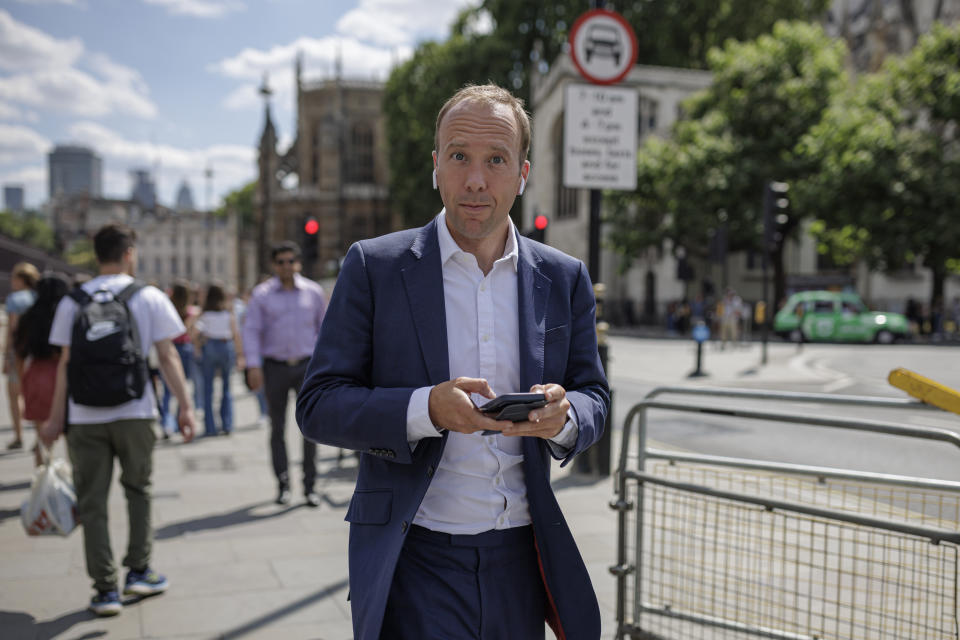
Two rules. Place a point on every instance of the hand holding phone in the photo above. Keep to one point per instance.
(512, 406)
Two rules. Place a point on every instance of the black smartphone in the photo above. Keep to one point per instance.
(512, 406)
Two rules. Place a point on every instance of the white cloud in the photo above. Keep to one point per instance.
(74, 3)
(75, 92)
(59, 76)
(374, 37)
(19, 144)
(233, 165)
(198, 8)
(359, 61)
(116, 74)
(10, 112)
(23, 48)
(394, 23)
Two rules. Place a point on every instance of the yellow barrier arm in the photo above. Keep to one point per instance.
(925, 389)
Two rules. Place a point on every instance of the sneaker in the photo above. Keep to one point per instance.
(15, 444)
(145, 583)
(313, 500)
(106, 603)
(283, 496)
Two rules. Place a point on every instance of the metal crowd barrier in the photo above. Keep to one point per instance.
(731, 548)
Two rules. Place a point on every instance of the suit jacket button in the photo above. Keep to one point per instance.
(403, 526)
(430, 471)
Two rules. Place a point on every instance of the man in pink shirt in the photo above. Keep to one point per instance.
(279, 332)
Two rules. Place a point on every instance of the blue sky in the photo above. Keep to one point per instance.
(170, 85)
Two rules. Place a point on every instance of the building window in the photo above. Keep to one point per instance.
(173, 240)
(220, 269)
(173, 265)
(141, 266)
(188, 240)
(315, 156)
(206, 266)
(360, 158)
(646, 117)
(158, 265)
(189, 266)
(567, 199)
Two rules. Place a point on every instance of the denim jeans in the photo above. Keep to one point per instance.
(170, 424)
(218, 357)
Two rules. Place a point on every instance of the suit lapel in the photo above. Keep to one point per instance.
(423, 279)
(533, 290)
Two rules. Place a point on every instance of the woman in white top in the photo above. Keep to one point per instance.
(215, 333)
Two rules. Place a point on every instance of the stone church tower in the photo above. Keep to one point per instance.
(334, 172)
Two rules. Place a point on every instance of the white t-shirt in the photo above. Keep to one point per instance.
(216, 325)
(157, 320)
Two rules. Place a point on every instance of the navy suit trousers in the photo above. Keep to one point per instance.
(482, 587)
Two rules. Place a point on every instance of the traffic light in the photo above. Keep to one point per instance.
(539, 231)
(308, 242)
(777, 221)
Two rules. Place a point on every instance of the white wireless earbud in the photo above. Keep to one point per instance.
(434, 178)
(523, 184)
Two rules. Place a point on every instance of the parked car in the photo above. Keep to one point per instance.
(830, 316)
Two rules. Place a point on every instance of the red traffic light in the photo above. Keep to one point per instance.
(540, 222)
(311, 226)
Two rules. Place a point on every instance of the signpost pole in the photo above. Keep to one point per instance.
(600, 150)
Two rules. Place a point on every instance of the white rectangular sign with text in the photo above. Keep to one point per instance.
(600, 137)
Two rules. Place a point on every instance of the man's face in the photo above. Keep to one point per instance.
(285, 264)
(478, 167)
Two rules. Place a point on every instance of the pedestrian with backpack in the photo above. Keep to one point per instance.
(102, 398)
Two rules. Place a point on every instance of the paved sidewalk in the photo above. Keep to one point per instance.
(243, 567)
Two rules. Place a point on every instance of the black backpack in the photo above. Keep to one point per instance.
(106, 367)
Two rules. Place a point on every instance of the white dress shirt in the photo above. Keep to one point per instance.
(479, 483)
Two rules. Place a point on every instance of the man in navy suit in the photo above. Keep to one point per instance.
(454, 528)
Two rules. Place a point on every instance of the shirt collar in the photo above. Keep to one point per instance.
(297, 282)
(450, 248)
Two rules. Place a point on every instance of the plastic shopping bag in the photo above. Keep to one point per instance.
(51, 508)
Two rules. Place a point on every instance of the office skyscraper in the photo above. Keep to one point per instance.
(74, 170)
(13, 197)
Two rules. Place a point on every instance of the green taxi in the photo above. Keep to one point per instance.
(830, 316)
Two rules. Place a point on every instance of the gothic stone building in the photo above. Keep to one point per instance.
(339, 162)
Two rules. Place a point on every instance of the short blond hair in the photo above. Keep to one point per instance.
(489, 94)
(26, 272)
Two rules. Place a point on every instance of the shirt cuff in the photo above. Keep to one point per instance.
(562, 443)
(419, 425)
(253, 359)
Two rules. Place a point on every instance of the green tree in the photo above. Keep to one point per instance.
(240, 201)
(528, 35)
(80, 254)
(28, 227)
(737, 135)
(888, 156)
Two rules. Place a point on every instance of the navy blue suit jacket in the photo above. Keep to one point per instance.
(384, 335)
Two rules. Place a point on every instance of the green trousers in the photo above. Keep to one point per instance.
(92, 449)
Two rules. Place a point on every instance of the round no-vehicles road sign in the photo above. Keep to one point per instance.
(603, 46)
